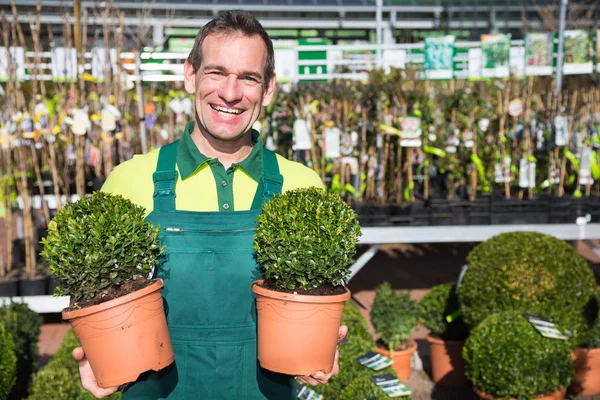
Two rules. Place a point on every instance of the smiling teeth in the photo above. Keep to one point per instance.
(227, 110)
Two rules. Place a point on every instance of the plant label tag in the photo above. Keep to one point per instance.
(305, 393)
(373, 360)
(390, 385)
(545, 328)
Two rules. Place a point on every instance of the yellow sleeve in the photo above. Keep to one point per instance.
(296, 175)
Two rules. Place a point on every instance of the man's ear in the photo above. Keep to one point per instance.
(269, 90)
(189, 77)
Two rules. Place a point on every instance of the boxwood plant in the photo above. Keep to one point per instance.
(506, 357)
(305, 239)
(439, 304)
(394, 316)
(99, 242)
(530, 272)
(23, 324)
(590, 333)
(8, 363)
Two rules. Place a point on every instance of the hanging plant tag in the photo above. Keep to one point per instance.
(305, 393)
(560, 130)
(515, 108)
(585, 167)
(391, 385)
(524, 173)
(109, 122)
(463, 271)
(332, 142)
(301, 136)
(411, 132)
(374, 361)
(545, 328)
(467, 138)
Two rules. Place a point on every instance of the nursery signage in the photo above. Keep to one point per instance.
(390, 385)
(538, 54)
(99, 62)
(578, 52)
(545, 328)
(301, 135)
(495, 56)
(439, 54)
(373, 360)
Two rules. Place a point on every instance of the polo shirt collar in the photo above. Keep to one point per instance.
(189, 158)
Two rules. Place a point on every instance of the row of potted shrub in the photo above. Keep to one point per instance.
(504, 356)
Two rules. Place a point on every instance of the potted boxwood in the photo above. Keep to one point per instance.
(587, 354)
(506, 358)
(304, 243)
(529, 272)
(439, 312)
(8, 363)
(394, 316)
(101, 250)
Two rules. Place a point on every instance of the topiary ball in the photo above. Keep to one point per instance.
(8, 363)
(437, 304)
(529, 272)
(505, 357)
(306, 239)
(362, 388)
(590, 332)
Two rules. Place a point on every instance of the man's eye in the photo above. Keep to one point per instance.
(215, 73)
(251, 79)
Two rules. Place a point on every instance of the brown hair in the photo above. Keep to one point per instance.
(229, 22)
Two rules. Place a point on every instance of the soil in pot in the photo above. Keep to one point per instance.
(587, 372)
(558, 395)
(402, 358)
(447, 366)
(297, 334)
(124, 337)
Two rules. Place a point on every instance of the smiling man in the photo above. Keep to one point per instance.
(209, 186)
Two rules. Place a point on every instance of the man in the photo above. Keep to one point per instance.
(209, 186)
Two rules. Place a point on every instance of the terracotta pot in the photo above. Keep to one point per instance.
(587, 372)
(447, 366)
(297, 334)
(558, 395)
(401, 358)
(125, 336)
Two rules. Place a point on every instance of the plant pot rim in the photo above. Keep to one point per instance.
(157, 285)
(587, 350)
(483, 395)
(300, 298)
(438, 340)
(410, 349)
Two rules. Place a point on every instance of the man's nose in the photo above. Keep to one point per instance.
(231, 89)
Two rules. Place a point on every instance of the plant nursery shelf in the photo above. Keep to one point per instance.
(40, 304)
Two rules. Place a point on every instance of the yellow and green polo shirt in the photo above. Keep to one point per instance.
(203, 183)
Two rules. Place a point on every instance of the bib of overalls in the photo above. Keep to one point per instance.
(208, 268)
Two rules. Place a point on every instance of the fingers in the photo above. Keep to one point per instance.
(308, 380)
(342, 333)
(78, 353)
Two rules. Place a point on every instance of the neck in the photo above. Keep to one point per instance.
(226, 151)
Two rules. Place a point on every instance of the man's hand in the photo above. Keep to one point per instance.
(88, 379)
(320, 376)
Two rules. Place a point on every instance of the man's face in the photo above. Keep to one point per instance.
(229, 85)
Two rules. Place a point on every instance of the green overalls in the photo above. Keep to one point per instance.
(208, 269)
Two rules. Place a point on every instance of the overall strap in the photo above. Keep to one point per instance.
(165, 178)
(271, 181)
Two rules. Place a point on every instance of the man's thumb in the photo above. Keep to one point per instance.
(78, 353)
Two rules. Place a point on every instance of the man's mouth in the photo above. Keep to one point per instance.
(225, 110)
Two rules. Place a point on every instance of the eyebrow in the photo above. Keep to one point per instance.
(224, 70)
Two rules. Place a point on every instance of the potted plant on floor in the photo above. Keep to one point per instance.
(506, 358)
(587, 354)
(529, 272)
(101, 249)
(439, 312)
(394, 317)
(304, 243)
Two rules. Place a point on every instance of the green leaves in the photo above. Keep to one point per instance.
(306, 238)
(529, 272)
(440, 302)
(506, 357)
(99, 241)
(394, 316)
